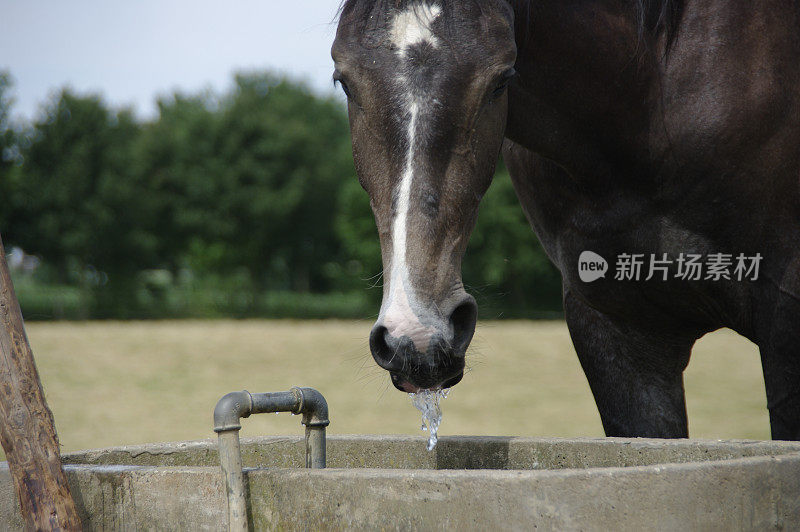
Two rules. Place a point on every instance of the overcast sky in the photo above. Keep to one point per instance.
(131, 51)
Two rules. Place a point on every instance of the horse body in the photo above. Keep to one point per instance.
(702, 158)
(638, 128)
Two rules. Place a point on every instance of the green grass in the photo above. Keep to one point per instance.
(114, 383)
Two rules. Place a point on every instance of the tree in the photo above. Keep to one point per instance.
(177, 155)
(255, 175)
(9, 152)
(81, 207)
(285, 154)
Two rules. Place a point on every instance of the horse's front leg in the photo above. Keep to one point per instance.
(778, 338)
(636, 376)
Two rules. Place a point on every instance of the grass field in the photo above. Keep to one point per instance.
(134, 382)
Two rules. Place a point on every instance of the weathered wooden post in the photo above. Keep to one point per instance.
(27, 430)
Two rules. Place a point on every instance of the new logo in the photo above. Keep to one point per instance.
(591, 266)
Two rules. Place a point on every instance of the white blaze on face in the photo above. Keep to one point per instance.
(409, 28)
(413, 26)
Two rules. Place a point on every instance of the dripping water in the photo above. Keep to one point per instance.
(427, 402)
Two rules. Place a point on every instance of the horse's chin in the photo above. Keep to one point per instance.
(405, 385)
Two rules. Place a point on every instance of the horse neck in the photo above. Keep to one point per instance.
(584, 83)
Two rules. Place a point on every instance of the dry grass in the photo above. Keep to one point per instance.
(123, 383)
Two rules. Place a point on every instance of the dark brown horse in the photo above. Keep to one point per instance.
(642, 136)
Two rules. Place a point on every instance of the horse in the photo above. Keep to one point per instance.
(654, 146)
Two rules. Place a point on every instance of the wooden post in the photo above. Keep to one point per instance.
(27, 430)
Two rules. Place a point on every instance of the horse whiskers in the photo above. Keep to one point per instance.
(377, 275)
(361, 355)
(378, 281)
(370, 380)
(366, 371)
(383, 391)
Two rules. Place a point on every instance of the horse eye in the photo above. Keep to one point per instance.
(337, 78)
(499, 90)
(502, 85)
(345, 88)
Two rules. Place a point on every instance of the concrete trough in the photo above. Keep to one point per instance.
(473, 483)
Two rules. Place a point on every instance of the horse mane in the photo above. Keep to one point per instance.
(653, 17)
(659, 16)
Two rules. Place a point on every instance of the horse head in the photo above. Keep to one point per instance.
(426, 91)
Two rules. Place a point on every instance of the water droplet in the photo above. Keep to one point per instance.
(427, 402)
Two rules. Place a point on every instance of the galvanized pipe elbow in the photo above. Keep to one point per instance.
(236, 405)
(314, 407)
(230, 409)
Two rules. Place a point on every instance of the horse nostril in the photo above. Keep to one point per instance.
(463, 320)
(382, 350)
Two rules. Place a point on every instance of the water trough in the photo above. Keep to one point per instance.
(394, 482)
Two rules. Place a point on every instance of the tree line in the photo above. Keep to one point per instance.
(243, 203)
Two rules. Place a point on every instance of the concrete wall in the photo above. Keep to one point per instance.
(552, 484)
(742, 494)
(452, 452)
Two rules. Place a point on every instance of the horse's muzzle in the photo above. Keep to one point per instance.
(437, 364)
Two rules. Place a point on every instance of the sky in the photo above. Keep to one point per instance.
(133, 51)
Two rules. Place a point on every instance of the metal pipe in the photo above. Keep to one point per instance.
(236, 405)
(315, 447)
(230, 459)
